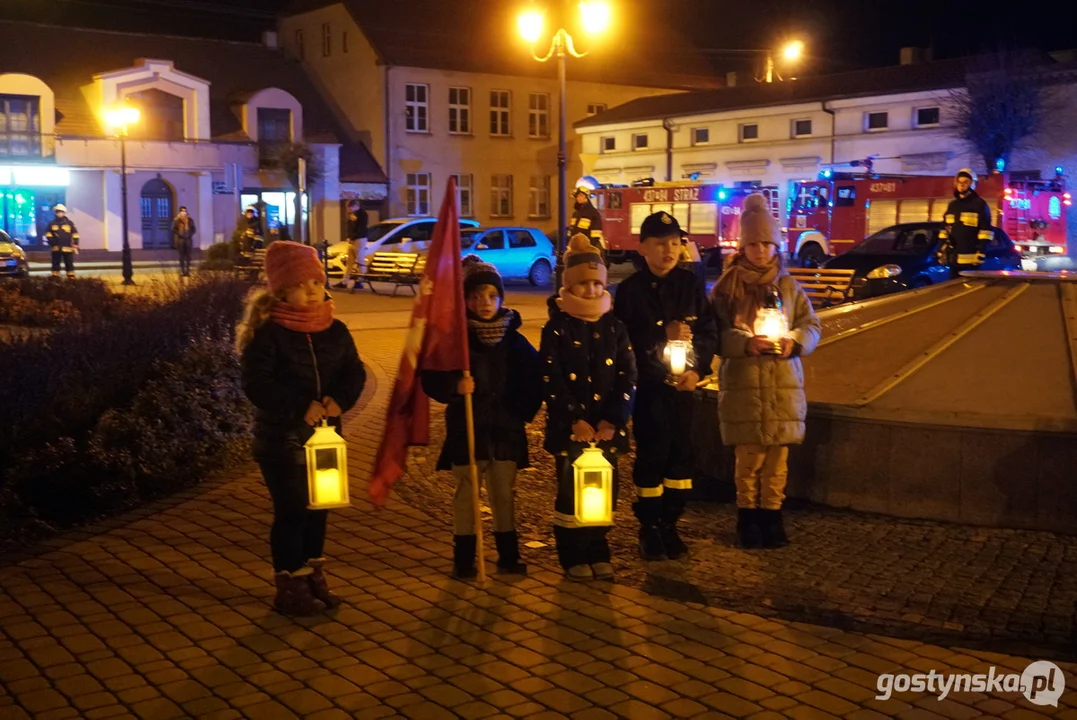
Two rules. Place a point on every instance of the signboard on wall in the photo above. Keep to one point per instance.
(221, 188)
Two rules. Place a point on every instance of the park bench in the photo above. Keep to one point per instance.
(401, 269)
(251, 264)
(824, 287)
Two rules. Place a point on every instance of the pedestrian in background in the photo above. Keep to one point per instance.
(299, 366)
(183, 230)
(63, 238)
(356, 239)
(506, 392)
(590, 377)
(761, 402)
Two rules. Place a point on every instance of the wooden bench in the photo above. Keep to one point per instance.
(824, 287)
(398, 268)
(251, 263)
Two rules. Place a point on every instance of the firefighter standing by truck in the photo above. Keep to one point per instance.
(587, 221)
(63, 238)
(967, 229)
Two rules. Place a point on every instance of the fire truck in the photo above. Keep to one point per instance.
(708, 213)
(836, 212)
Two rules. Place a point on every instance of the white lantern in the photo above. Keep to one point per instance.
(770, 321)
(594, 488)
(327, 469)
(676, 356)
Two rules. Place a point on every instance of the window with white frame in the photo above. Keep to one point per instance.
(927, 117)
(327, 39)
(464, 186)
(460, 110)
(540, 197)
(701, 136)
(299, 44)
(875, 121)
(501, 196)
(595, 108)
(417, 193)
(640, 141)
(416, 107)
(538, 115)
(608, 144)
(748, 132)
(500, 113)
(802, 128)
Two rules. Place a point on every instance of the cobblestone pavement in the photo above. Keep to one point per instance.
(164, 613)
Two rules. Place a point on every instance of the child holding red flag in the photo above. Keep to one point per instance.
(506, 394)
(590, 385)
(299, 366)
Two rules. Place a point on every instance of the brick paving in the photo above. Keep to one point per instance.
(165, 612)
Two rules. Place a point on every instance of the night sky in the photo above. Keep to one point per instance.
(841, 35)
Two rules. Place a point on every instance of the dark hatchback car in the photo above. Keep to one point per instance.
(902, 257)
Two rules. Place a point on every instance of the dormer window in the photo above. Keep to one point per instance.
(161, 115)
(20, 126)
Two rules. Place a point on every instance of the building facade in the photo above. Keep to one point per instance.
(218, 121)
(433, 100)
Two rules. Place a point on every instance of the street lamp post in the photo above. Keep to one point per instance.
(119, 119)
(595, 16)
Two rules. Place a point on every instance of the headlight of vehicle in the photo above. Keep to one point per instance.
(885, 271)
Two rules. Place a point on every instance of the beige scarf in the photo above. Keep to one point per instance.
(743, 286)
(587, 309)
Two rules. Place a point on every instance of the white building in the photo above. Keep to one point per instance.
(447, 88)
(776, 134)
(214, 116)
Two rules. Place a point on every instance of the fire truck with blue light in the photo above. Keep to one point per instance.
(834, 213)
(708, 213)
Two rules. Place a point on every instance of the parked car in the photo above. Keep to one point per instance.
(902, 257)
(12, 257)
(404, 234)
(518, 253)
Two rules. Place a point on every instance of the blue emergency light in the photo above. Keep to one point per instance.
(826, 174)
(721, 193)
(1000, 165)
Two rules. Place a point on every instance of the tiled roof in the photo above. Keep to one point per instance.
(480, 36)
(66, 59)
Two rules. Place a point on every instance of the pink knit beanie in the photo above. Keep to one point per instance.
(290, 263)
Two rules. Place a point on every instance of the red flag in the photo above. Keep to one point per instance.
(436, 340)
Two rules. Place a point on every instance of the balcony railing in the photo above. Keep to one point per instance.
(24, 144)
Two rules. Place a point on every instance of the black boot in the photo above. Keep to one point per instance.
(671, 539)
(463, 557)
(749, 535)
(773, 529)
(651, 546)
(508, 554)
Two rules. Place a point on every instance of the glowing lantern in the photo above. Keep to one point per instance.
(676, 356)
(327, 469)
(594, 488)
(770, 321)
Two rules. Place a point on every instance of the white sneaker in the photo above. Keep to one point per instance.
(580, 573)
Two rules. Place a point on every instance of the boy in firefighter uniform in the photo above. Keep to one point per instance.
(967, 229)
(660, 303)
(587, 221)
(63, 238)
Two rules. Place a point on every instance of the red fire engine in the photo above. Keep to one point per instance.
(708, 213)
(836, 212)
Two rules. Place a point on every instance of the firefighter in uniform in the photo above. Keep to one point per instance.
(63, 238)
(967, 229)
(659, 303)
(587, 221)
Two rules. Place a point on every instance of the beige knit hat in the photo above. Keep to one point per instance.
(583, 262)
(757, 225)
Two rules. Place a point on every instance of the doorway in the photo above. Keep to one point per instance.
(156, 215)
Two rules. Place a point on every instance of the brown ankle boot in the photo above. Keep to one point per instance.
(319, 586)
(294, 595)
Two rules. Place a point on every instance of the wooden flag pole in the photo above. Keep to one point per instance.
(480, 552)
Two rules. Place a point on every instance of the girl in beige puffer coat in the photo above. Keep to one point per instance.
(761, 402)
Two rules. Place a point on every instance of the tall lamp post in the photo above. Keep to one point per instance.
(595, 17)
(119, 119)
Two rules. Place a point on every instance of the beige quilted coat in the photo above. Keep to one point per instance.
(761, 399)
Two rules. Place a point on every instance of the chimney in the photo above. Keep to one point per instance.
(730, 79)
(915, 55)
(269, 39)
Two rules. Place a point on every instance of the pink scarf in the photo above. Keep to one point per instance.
(306, 319)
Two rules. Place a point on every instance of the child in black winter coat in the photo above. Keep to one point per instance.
(590, 385)
(299, 366)
(505, 394)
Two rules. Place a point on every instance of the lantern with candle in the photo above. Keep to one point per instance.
(594, 488)
(327, 469)
(770, 321)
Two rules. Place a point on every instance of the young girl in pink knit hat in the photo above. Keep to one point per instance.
(299, 366)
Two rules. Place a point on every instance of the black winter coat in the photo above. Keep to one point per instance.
(284, 371)
(968, 224)
(62, 233)
(646, 303)
(590, 375)
(586, 220)
(508, 393)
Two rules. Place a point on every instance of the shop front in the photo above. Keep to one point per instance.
(27, 195)
(278, 208)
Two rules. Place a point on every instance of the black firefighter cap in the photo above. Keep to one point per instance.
(660, 225)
